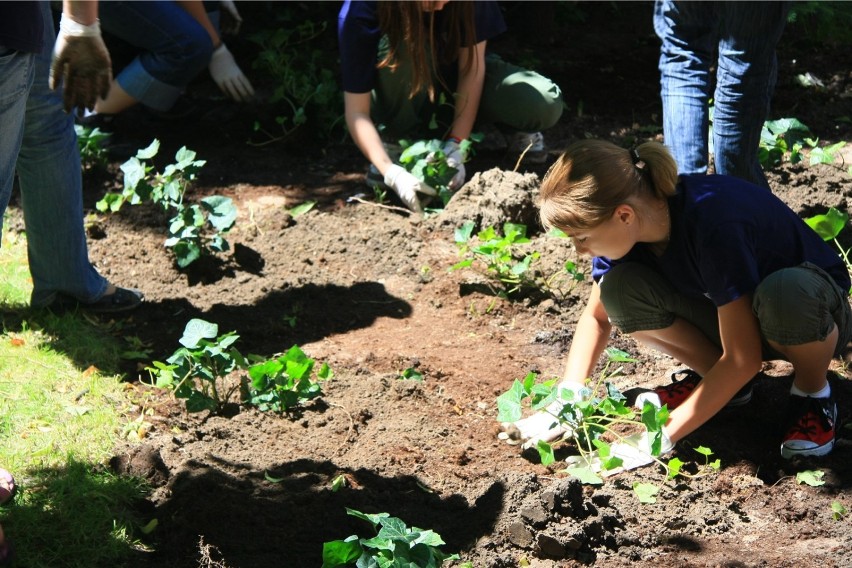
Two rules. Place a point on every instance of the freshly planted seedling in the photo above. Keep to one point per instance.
(597, 415)
(789, 137)
(90, 141)
(514, 271)
(395, 545)
(426, 161)
(285, 382)
(196, 372)
(195, 229)
(828, 226)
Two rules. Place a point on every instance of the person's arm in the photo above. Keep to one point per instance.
(591, 336)
(83, 12)
(741, 359)
(469, 91)
(363, 130)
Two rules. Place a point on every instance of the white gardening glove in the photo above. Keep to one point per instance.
(229, 77)
(634, 451)
(236, 21)
(407, 187)
(543, 426)
(81, 62)
(455, 159)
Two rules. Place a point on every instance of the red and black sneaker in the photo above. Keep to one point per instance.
(812, 426)
(674, 394)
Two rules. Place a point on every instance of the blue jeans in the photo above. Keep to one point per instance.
(740, 39)
(175, 48)
(37, 138)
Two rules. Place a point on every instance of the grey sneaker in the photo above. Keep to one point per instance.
(530, 142)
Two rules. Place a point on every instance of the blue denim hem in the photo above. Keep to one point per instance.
(147, 89)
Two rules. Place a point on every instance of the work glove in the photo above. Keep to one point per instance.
(543, 426)
(234, 22)
(229, 77)
(81, 63)
(634, 451)
(455, 159)
(407, 187)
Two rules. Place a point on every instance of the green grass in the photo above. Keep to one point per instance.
(61, 416)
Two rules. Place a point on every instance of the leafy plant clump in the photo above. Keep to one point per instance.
(293, 57)
(426, 161)
(828, 226)
(395, 545)
(195, 229)
(90, 142)
(598, 416)
(197, 372)
(789, 137)
(514, 271)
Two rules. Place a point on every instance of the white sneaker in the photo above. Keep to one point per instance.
(531, 144)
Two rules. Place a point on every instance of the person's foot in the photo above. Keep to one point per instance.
(812, 426)
(674, 394)
(115, 300)
(530, 145)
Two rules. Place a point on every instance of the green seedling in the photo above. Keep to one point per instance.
(427, 162)
(395, 545)
(196, 372)
(412, 374)
(304, 85)
(280, 384)
(596, 415)
(195, 229)
(514, 271)
(828, 226)
(814, 478)
(789, 137)
(838, 511)
(91, 141)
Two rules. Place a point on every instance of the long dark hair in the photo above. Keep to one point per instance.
(412, 29)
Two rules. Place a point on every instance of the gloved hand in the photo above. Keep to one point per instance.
(407, 187)
(634, 451)
(229, 77)
(235, 22)
(543, 426)
(455, 159)
(81, 62)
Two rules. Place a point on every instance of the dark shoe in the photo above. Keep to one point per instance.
(122, 300)
(812, 426)
(674, 394)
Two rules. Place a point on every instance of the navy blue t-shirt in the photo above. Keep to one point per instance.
(359, 35)
(727, 235)
(21, 26)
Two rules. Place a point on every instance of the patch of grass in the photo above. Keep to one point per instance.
(60, 419)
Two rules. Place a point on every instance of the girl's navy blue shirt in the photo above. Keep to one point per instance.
(21, 27)
(359, 35)
(727, 235)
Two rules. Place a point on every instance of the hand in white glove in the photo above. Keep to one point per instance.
(455, 159)
(81, 62)
(236, 21)
(543, 426)
(407, 187)
(229, 77)
(634, 451)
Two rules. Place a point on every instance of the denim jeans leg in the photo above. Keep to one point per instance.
(686, 55)
(16, 78)
(745, 80)
(51, 189)
(175, 48)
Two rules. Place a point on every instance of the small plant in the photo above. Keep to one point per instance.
(197, 371)
(195, 229)
(426, 161)
(90, 142)
(283, 383)
(598, 417)
(828, 226)
(788, 137)
(512, 270)
(291, 55)
(838, 511)
(395, 545)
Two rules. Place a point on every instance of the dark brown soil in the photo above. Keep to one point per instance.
(369, 291)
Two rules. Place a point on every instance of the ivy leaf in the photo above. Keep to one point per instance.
(196, 330)
(647, 492)
(810, 477)
(585, 475)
